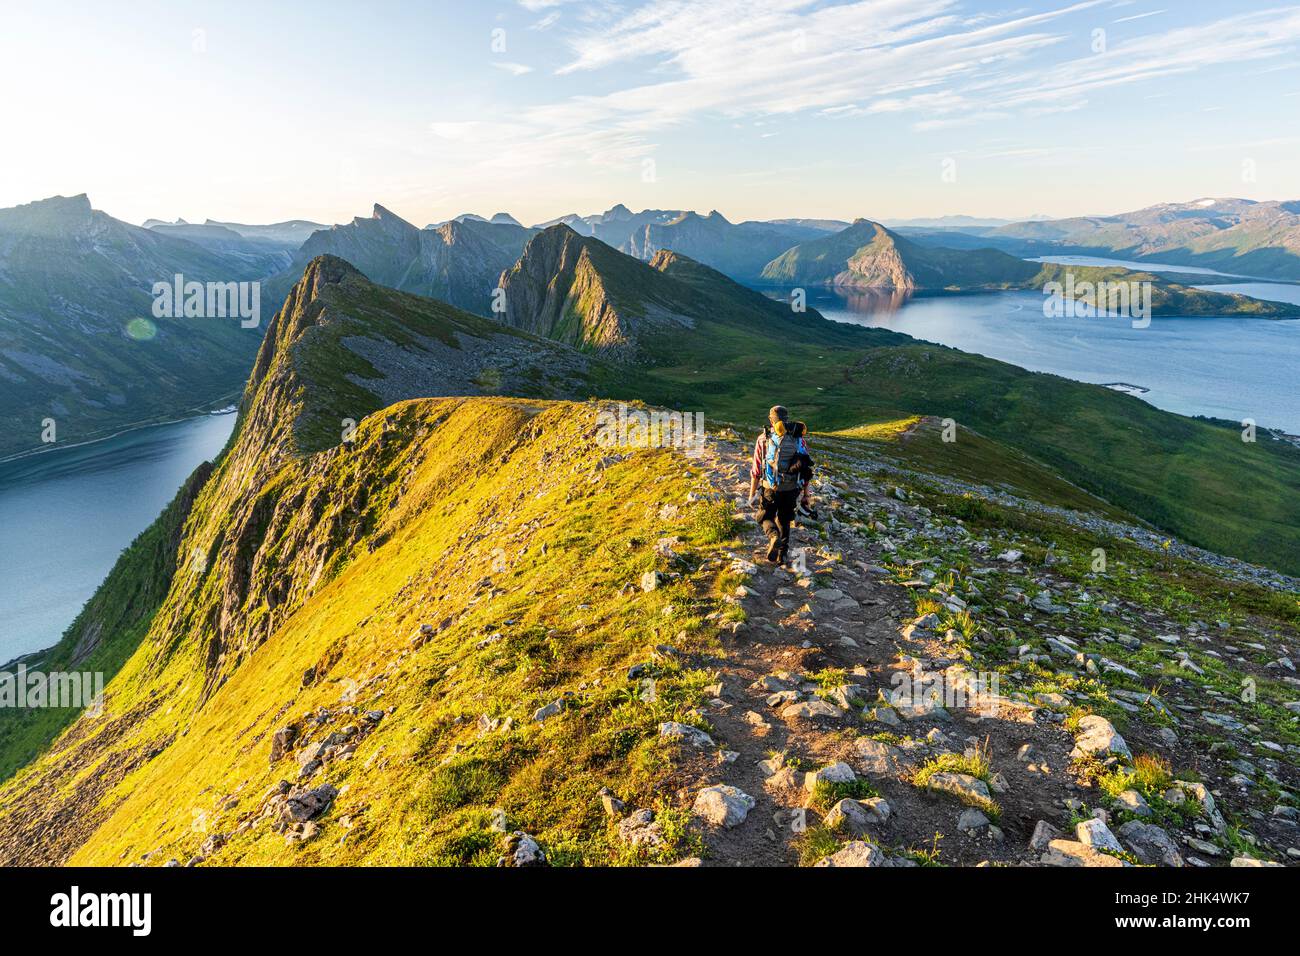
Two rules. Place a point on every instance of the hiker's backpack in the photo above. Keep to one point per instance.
(781, 453)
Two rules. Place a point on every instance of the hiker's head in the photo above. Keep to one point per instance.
(778, 413)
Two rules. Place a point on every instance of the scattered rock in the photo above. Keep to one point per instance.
(837, 772)
(876, 757)
(611, 804)
(1202, 796)
(1070, 853)
(857, 815)
(1150, 844)
(961, 785)
(1044, 834)
(857, 853)
(522, 850)
(641, 829)
(1096, 834)
(686, 734)
(304, 805)
(282, 742)
(1134, 803)
(811, 710)
(550, 710)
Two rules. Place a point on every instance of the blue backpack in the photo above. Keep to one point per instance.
(781, 462)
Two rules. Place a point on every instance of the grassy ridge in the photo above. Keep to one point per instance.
(528, 558)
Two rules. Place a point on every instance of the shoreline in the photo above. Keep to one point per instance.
(35, 658)
(126, 430)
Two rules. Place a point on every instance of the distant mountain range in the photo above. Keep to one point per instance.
(292, 233)
(1231, 235)
(79, 343)
(263, 255)
(739, 250)
(458, 261)
(72, 282)
(1236, 236)
(869, 256)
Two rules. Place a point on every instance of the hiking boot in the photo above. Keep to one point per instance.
(774, 549)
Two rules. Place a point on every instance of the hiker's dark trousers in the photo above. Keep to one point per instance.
(776, 512)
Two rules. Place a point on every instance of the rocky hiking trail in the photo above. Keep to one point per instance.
(830, 743)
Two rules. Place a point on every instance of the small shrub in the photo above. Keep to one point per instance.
(713, 522)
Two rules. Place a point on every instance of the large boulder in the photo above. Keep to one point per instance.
(1096, 834)
(877, 758)
(1071, 853)
(723, 805)
(1099, 738)
(1150, 844)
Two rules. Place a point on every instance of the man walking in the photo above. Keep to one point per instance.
(776, 466)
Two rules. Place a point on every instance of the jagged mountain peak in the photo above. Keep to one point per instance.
(383, 214)
(343, 346)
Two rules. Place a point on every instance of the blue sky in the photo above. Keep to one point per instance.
(761, 109)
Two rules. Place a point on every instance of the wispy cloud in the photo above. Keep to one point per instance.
(931, 60)
(1140, 16)
(514, 69)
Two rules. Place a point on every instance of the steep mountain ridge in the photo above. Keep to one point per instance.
(580, 291)
(742, 349)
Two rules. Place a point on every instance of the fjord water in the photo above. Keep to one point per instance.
(1229, 368)
(66, 515)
